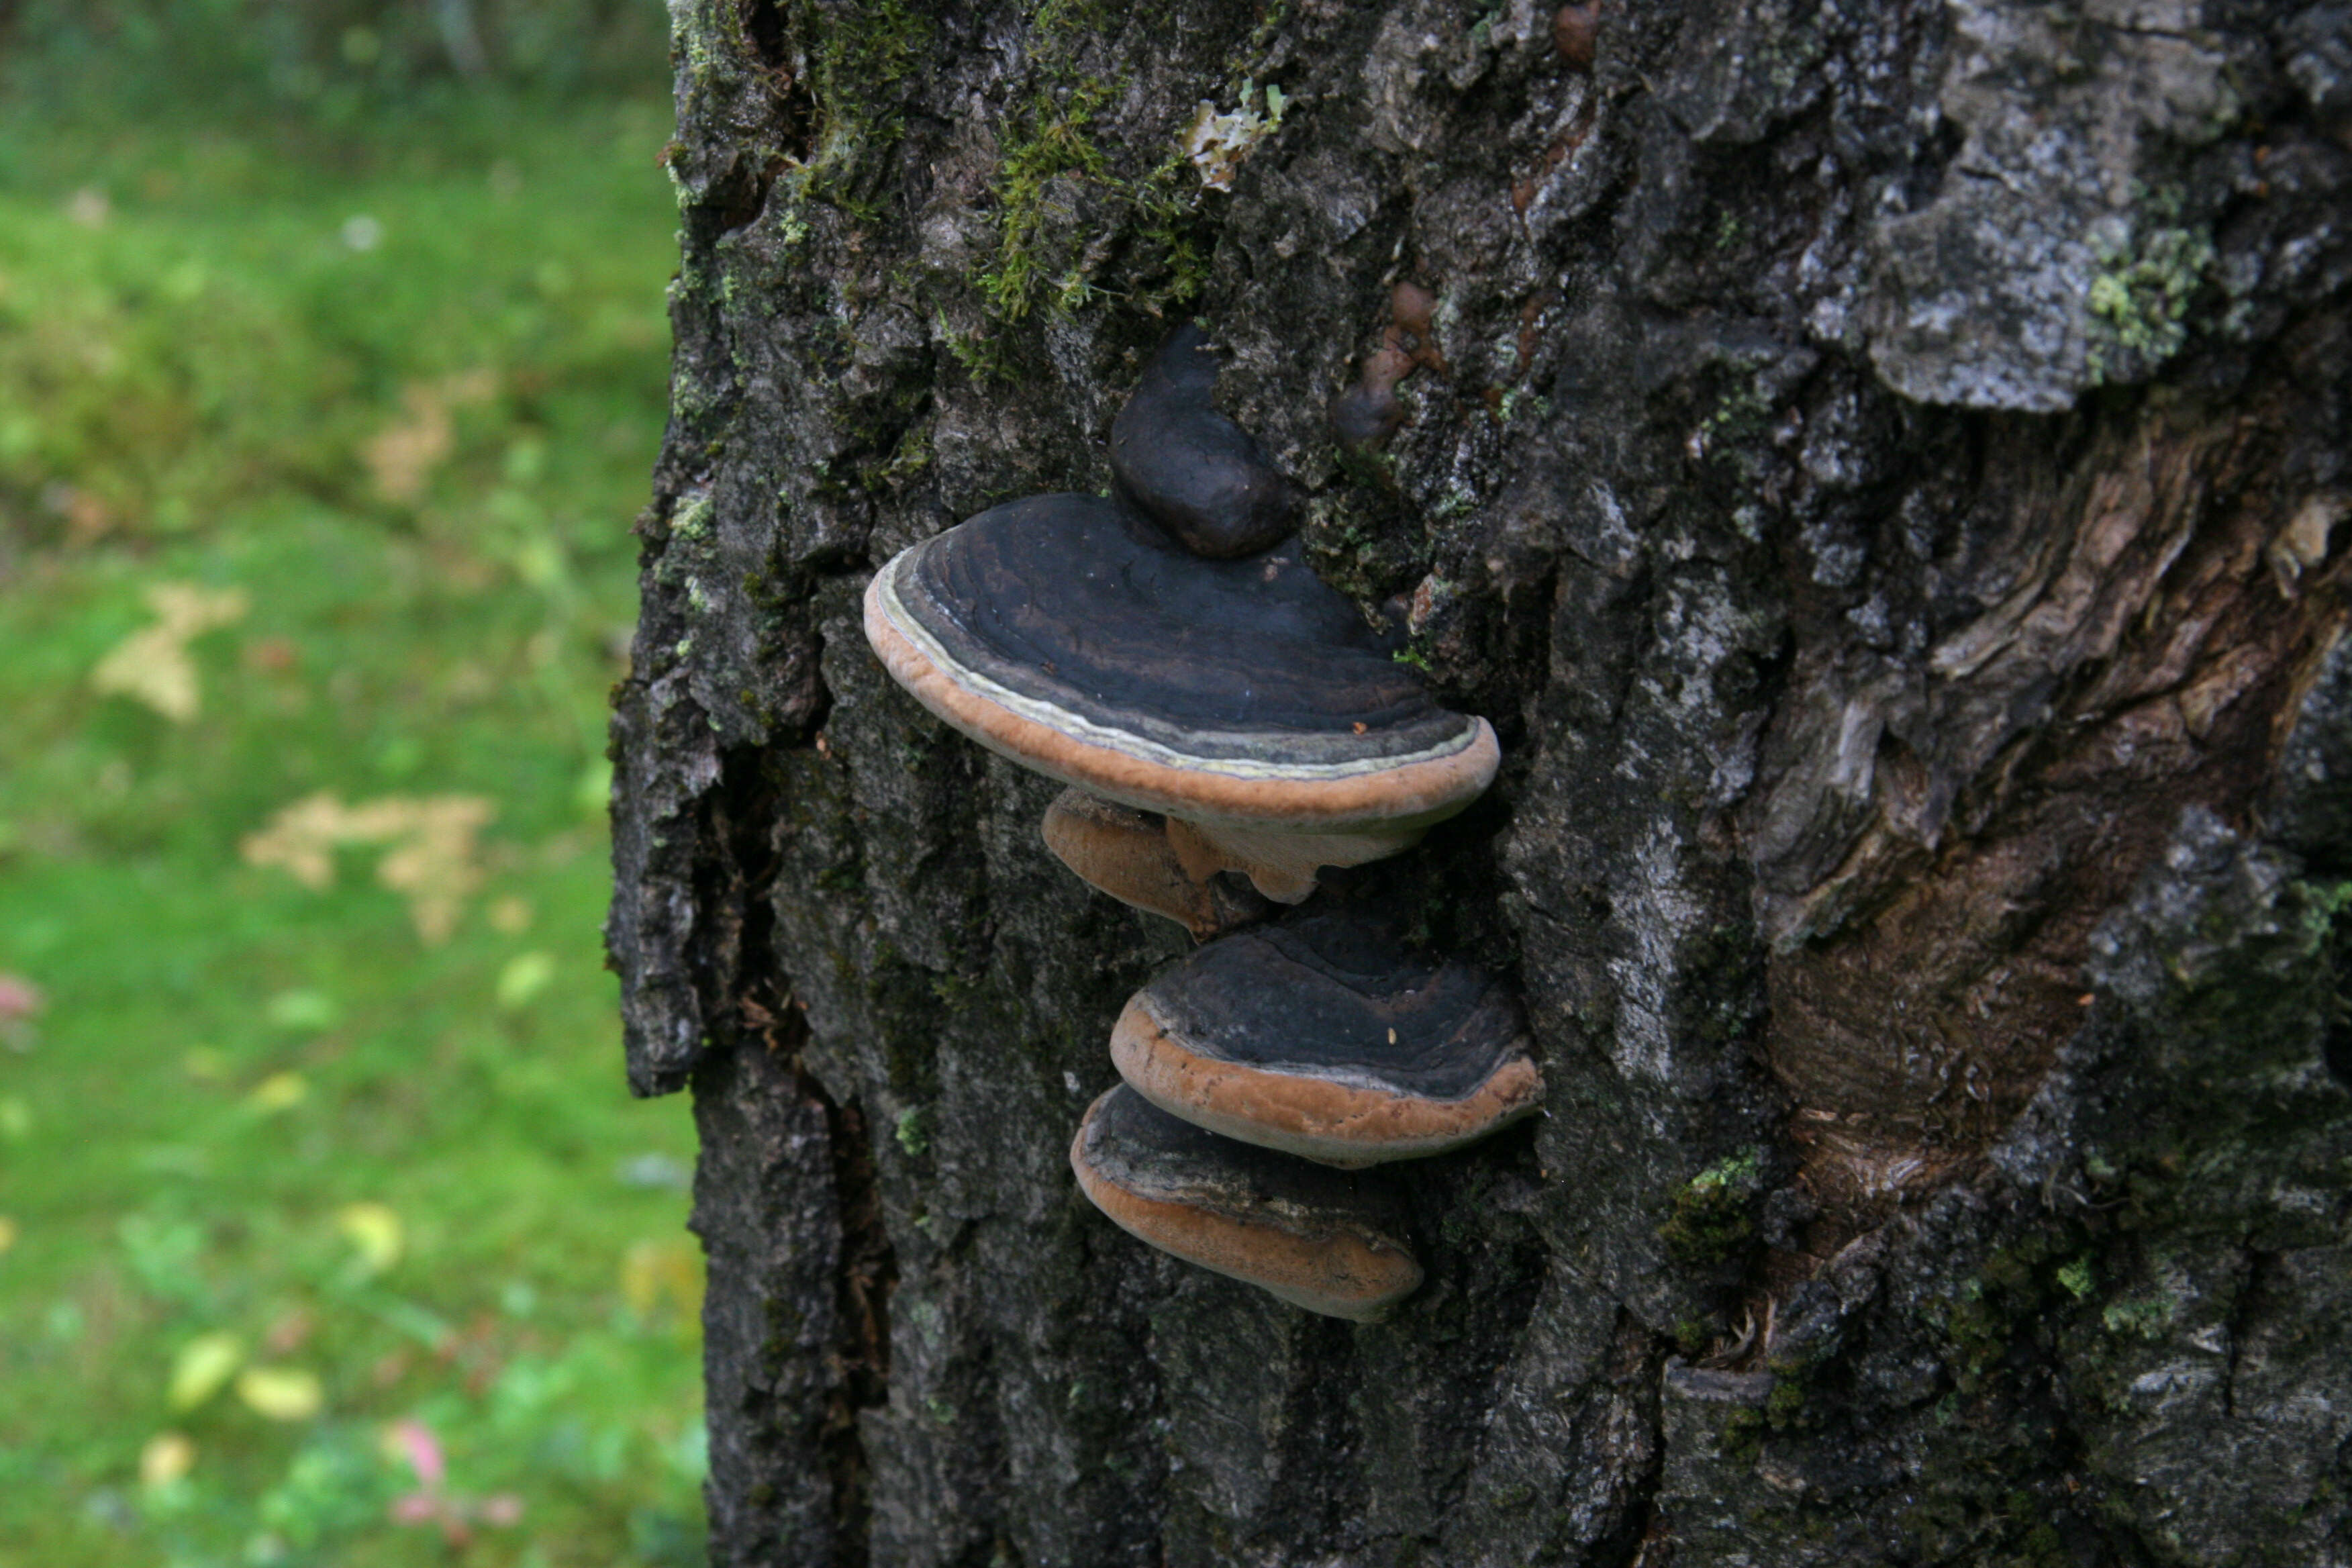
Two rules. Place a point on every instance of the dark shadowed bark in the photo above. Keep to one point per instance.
(1879, 466)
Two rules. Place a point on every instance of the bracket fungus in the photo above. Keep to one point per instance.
(1319, 1238)
(1327, 1038)
(1134, 856)
(1121, 646)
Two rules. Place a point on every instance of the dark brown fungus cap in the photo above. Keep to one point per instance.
(1128, 854)
(1244, 698)
(1319, 1238)
(1192, 470)
(1326, 1038)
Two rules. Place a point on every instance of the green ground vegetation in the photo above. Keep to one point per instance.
(327, 1233)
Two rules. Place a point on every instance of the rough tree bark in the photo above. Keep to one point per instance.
(1877, 462)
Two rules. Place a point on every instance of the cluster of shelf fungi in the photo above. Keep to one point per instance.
(1215, 708)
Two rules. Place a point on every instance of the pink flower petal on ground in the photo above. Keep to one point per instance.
(421, 1450)
(19, 999)
(416, 1508)
(503, 1509)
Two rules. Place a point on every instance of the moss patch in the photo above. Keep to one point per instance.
(1713, 1218)
(2139, 299)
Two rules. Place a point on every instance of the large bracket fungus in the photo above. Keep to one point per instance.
(1319, 1238)
(1326, 1038)
(1241, 698)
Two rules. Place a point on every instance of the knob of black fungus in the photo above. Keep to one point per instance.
(1191, 470)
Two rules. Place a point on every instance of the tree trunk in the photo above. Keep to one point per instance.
(1878, 466)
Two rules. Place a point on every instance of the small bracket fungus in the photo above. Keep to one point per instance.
(1241, 697)
(1326, 1038)
(1319, 1238)
(1129, 855)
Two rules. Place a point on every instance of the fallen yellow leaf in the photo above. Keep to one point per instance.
(151, 665)
(658, 1273)
(304, 1011)
(430, 856)
(526, 974)
(278, 1091)
(281, 1393)
(203, 1366)
(403, 455)
(167, 1456)
(375, 1230)
(7, 1232)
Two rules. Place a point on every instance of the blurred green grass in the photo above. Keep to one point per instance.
(328, 1235)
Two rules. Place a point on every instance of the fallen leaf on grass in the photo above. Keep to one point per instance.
(524, 977)
(281, 1393)
(168, 1456)
(374, 1231)
(151, 665)
(278, 1091)
(432, 856)
(86, 515)
(304, 1012)
(203, 1365)
(662, 1273)
(403, 455)
(7, 1232)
